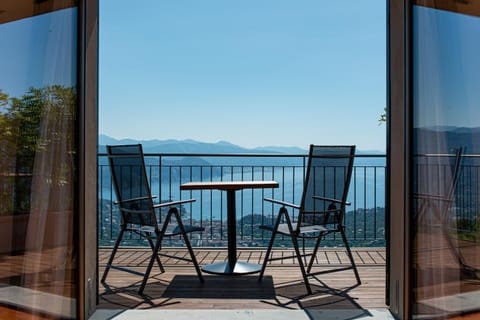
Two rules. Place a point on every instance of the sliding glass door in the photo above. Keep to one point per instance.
(445, 163)
(38, 159)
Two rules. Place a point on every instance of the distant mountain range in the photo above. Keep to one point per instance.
(192, 146)
(446, 138)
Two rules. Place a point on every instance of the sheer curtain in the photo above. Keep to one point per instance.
(446, 74)
(50, 258)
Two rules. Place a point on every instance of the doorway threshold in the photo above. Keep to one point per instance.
(338, 314)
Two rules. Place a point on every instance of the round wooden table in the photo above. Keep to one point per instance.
(231, 266)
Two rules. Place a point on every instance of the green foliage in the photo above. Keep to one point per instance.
(466, 229)
(3, 98)
(383, 117)
(35, 123)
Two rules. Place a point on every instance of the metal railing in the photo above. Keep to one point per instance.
(364, 219)
(451, 194)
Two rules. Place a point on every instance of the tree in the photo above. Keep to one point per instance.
(383, 117)
(33, 125)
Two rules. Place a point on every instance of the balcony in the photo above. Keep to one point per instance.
(178, 287)
(281, 289)
(364, 219)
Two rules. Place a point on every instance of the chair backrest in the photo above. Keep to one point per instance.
(328, 175)
(131, 185)
(437, 174)
(436, 179)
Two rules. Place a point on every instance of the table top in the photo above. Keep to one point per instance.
(228, 185)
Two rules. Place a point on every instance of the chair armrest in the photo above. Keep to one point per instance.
(173, 203)
(431, 197)
(331, 200)
(283, 203)
(135, 199)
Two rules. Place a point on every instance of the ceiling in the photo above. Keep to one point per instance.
(11, 10)
(470, 7)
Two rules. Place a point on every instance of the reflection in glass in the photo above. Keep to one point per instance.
(37, 165)
(446, 164)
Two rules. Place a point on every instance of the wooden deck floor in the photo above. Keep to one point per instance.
(282, 287)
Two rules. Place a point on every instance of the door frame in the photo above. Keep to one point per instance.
(87, 163)
(398, 156)
(398, 153)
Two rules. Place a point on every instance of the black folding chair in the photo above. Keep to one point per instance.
(321, 210)
(138, 211)
(437, 178)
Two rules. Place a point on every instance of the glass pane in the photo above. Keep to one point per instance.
(37, 163)
(446, 215)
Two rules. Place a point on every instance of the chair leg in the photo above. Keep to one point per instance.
(282, 212)
(112, 255)
(350, 256)
(150, 264)
(192, 255)
(304, 252)
(300, 262)
(160, 265)
(314, 253)
(187, 242)
(267, 255)
(456, 251)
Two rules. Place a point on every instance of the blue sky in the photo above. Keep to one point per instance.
(37, 51)
(251, 72)
(446, 68)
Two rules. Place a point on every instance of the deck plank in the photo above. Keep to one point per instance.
(282, 286)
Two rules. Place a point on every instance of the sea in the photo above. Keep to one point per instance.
(367, 187)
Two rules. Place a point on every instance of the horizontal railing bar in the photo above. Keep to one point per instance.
(248, 155)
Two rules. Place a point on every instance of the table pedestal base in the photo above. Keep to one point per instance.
(225, 269)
